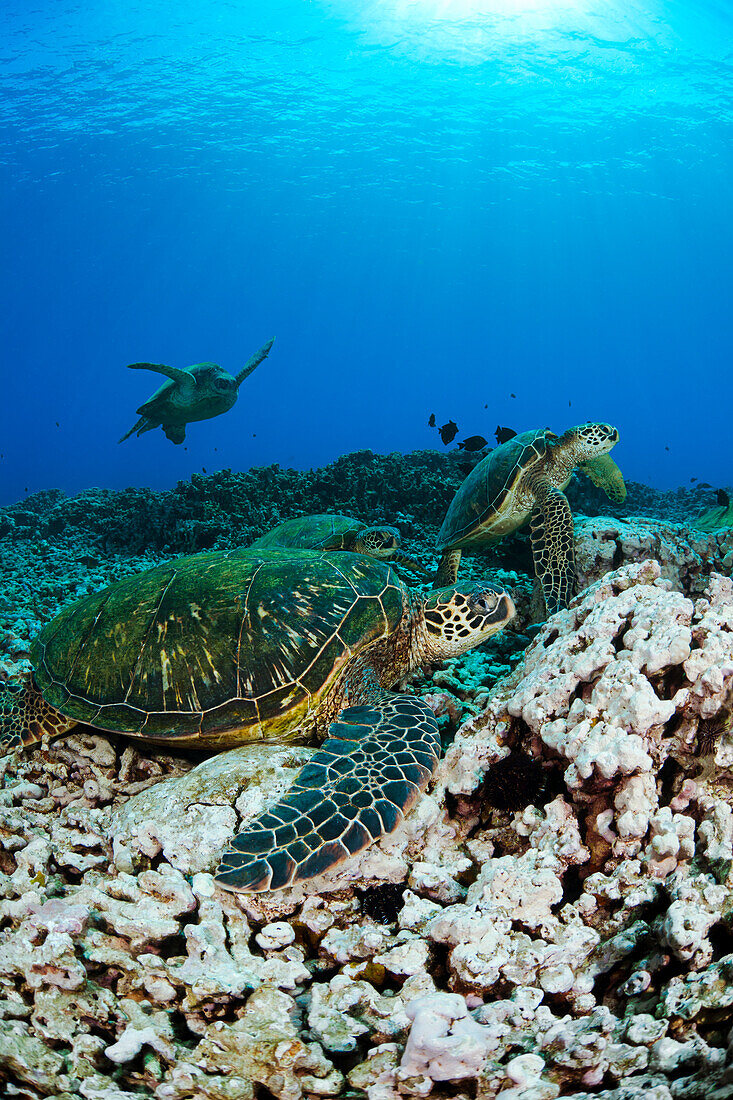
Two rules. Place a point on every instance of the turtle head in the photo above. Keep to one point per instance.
(458, 619)
(377, 542)
(212, 381)
(590, 440)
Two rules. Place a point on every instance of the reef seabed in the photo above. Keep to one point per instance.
(578, 944)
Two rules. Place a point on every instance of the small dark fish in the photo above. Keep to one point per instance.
(431, 421)
(692, 479)
(570, 404)
(503, 435)
(254, 435)
(473, 443)
(448, 432)
(486, 406)
(722, 498)
(512, 395)
(204, 469)
(57, 423)
(666, 448)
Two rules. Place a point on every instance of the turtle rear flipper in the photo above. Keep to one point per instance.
(605, 474)
(25, 717)
(356, 788)
(175, 432)
(140, 426)
(553, 547)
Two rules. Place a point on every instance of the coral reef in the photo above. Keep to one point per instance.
(230, 507)
(553, 920)
(56, 548)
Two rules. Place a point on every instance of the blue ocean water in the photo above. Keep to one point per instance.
(508, 212)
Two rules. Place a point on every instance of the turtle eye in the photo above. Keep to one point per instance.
(485, 602)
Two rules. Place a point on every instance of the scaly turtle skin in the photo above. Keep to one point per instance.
(196, 393)
(334, 532)
(524, 478)
(222, 648)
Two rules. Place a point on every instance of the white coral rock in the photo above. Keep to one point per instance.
(445, 1043)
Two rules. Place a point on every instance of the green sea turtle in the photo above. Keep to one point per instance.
(196, 393)
(334, 532)
(225, 647)
(523, 478)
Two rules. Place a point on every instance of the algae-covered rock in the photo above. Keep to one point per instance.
(263, 1047)
(28, 1059)
(191, 819)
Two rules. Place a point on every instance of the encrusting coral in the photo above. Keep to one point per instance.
(577, 944)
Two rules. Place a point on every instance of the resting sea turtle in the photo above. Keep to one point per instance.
(196, 393)
(225, 647)
(524, 478)
(333, 532)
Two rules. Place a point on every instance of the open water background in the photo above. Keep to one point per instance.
(432, 204)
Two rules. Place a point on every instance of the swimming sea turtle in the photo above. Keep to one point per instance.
(334, 532)
(522, 478)
(225, 647)
(196, 393)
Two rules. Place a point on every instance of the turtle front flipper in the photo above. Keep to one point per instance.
(356, 788)
(184, 378)
(25, 717)
(605, 474)
(447, 573)
(553, 547)
(253, 361)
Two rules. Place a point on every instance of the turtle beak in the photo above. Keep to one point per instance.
(505, 610)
